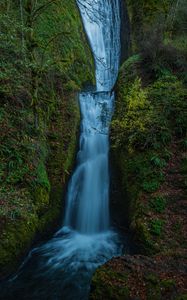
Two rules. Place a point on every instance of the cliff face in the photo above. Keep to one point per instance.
(148, 158)
(148, 153)
(125, 31)
(45, 60)
(149, 124)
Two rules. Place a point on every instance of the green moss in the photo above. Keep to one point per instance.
(143, 236)
(184, 171)
(156, 227)
(107, 285)
(39, 132)
(158, 204)
(168, 284)
(151, 186)
(40, 199)
(16, 239)
(152, 278)
(157, 288)
(148, 116)
(182, 297)
(42, 178)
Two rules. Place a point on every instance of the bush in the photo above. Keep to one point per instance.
(158, 204)
(136, 119)
(151, 186)
(156, 227)
(168, 96)
(158, 162)
(160, 59)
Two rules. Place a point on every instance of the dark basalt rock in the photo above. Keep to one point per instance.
(125, 31)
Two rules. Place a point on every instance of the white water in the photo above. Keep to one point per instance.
(101, 20)
(62, 267)
(87, 202)
(88, 195)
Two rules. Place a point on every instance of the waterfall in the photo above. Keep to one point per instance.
(87, 201)
(62, 267)
(88, 194)
(101, 19)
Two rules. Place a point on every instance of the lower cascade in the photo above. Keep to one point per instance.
(87, 203)
(62, 268)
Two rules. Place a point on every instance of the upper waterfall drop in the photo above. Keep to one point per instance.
(101, 19)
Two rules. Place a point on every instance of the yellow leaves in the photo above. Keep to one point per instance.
(135, 116)
(138, 107)
(137, 97)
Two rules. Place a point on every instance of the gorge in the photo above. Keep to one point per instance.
(93, 149)
(62, 268)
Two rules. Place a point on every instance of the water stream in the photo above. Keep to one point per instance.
(62, 268)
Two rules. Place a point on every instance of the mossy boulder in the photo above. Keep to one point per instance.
(16, 239)
(106, 284)
(139, 277)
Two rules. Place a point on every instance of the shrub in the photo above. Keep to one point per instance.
(151, 186)
(136, 118)
(158, 162)
(158, 204)
(156, 227)
(169, 94)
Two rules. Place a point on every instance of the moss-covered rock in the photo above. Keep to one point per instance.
(51, 60)
(144, 142)
(16, 239)
(148, 146)
(139, 277)
(106, 284)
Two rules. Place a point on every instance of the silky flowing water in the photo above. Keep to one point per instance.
(62, 268)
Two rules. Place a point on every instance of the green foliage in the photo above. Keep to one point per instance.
(183, 169)
(151, 186)
(158, 204)
(168, 283)
(129, 70)
(159, 34)
(42, 54)
(182, 297)
(158, 162)
(16, 202)
(184, 166)
(177, 227)
(44, 60)
(42, 46)
(168, 95)
(136, 118)
(184, 144)
(147, 117)
(177, 18)
(156, 227)
(42, 177)
(170, 14)
(152, 278)
(150, 115)
(13, 76)
(101, 290)
(161, 58)
(150, 120)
